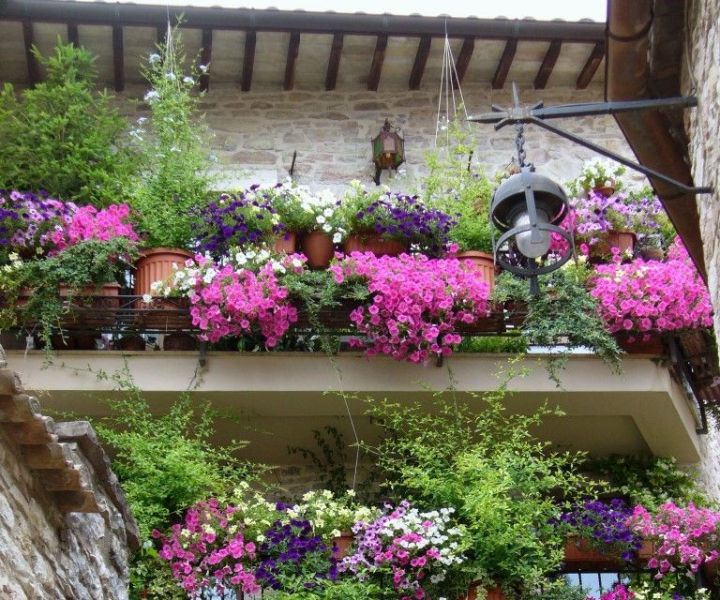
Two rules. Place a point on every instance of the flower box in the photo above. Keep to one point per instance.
(375, 243)
(579, 553)
(635, 343)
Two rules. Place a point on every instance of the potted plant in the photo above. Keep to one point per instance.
(416, 304)
(600, 176)
(321, 227)
(641, 300)
(453, 186)
(174, 180)
(388, 223)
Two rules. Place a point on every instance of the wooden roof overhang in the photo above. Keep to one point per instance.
(556, 35)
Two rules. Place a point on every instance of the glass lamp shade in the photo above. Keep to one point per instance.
(532, 243)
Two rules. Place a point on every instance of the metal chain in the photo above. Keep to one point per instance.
(520, 143)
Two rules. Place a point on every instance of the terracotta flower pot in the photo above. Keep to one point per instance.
(157, 264)
(483, 263)
(341, 544)
(491, 593)
(604, 190)
(179, 342)
(633, 343)
(319, 249)
(286, 243)
(131, 343)
(579, 552)
(375, 243)
(623, 240)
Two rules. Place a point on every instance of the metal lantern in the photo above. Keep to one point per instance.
(388, 150)
(527, 208)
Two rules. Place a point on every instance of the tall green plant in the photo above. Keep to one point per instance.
(174, 148)
(454, 187)
(503, 482)
(63, 135)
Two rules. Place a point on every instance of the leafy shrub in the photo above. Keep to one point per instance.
(63, 136)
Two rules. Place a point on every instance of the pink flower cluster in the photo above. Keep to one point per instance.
(200, 560)
(417, 303)
(231, 301)
(652, 296)
(685, 537)
(619, 592)
(89, 223)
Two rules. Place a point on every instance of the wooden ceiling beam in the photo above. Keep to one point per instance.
(503, 68)
(377, 62)
(118, 58)
(334, 61)
(421, 57)
(463, 60)
(591, 66)
(73, 35)
(292, 54)
(33, 67)
(205, 58)
(248, 60)
(548, 64)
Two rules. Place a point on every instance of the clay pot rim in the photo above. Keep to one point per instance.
(145, 252)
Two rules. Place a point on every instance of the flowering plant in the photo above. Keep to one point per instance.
(651, 296)
(397, 216)
(293, 558)
(411, 551)
(416, 303)
(228, 299)
(208, 552)
(597, 174)
(89, 223)
(596, 213)
(604, 525)
(686, 537)
(648, 591)
(237, 220)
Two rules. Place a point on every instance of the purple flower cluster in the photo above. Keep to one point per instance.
(291, 550)
(404, 217)
(27, 219)
(596, 213)
(236, 220)
(604, 524)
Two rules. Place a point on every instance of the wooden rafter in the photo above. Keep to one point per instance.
(504, 65)
(205, 58)
(292, 54)
(248, 60)
(421, 57)
(334, 61)
(118, 58)
(463, 60)
(73, 35)
(33, 68)
(377, 62)
(548, 64)
(591, 66)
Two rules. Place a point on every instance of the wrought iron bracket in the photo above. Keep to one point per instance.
(681, 368)
(537, 114)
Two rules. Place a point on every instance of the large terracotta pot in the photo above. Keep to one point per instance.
(579, 553)
(655, 346)
(624, 240)
(319, 249)
(604, 190)
(286, 243)
(483, 263)
(341, 545)
(157, 264)
(491, 593)
(373, 242)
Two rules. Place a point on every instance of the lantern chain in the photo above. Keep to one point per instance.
(520, 145)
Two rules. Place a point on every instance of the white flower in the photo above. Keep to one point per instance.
(328, 212)
(152, 96)
(147, 298)
(170, 76)
(203, 68)
(337, 238)
(320, 219)
(154, 58)
(188, 80)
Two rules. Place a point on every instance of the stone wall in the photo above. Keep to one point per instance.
(702, 77)
(256, 133)
(65, 530)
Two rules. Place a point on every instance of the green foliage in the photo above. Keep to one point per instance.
(597, 173)
(454, 188)
(507, 344)
(88, 264)
(503, 482)
(64, 136)
(650, 481)
(150, 577)
(338, 590)
(167, 462)
(329, 460)
(563, 313)
(173, 144)
(558, 589)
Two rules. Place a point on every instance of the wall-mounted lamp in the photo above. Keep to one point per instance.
(388, 149)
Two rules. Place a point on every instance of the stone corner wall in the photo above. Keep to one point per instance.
(65, 530)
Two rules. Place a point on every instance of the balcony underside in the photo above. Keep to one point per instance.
(281, 397)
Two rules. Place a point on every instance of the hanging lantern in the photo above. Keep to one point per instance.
(527, 208)
(388, 150)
